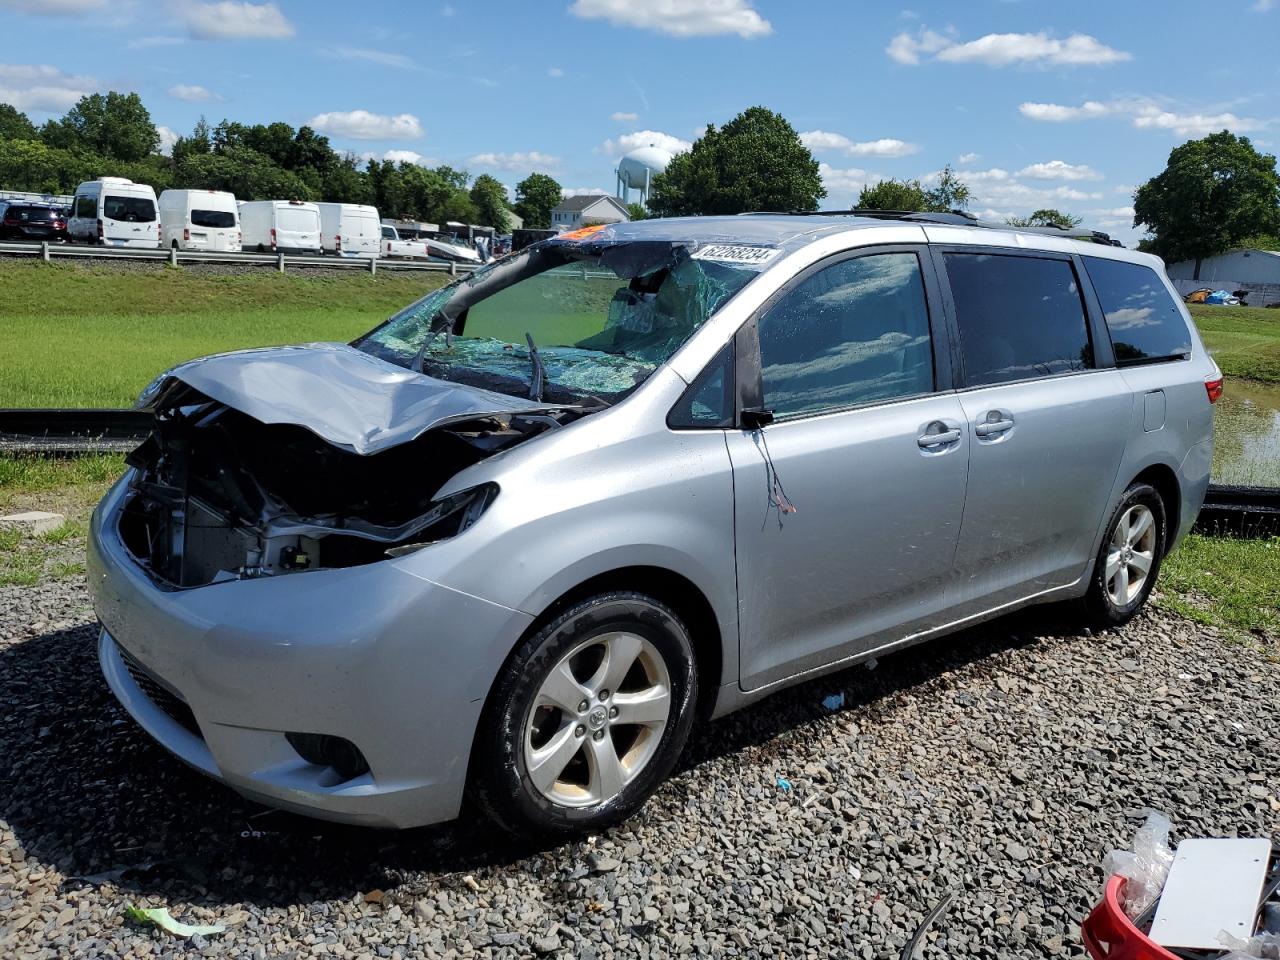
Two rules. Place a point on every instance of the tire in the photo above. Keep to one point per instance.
(541, 770)
(1115, 592)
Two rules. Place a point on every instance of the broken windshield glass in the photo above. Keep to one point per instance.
(602, 319)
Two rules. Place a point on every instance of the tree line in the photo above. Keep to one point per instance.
(112, 134)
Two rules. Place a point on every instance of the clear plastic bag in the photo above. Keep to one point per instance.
(1265, 946)
(1145, 867)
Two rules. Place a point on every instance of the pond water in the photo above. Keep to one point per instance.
(1246, 447)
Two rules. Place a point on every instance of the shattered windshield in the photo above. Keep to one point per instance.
(599, 320)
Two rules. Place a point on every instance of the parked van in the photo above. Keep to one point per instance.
(114, 212)
(349, 229)
(199, 220)
(280, 226)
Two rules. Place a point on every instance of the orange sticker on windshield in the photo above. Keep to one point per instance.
(582, 233)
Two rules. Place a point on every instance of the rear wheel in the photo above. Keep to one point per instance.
(1128, 561)
(588, 717)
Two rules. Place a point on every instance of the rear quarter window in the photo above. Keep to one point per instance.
(1145, 323)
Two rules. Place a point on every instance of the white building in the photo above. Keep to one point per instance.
(1257, 272)
(587, 210)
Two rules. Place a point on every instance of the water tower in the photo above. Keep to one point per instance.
(638, 168)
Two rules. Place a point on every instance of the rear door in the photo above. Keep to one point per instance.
(847, 506)
(1048, 413)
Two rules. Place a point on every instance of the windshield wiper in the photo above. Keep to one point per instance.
(539, 371)
(419, 358)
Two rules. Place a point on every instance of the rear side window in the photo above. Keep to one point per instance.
(1145, 324)
(852, 333)
(129, 209)
(213, 219)
(1019, 317)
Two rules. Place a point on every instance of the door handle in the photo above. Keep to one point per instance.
(938, 433)
(996, 422)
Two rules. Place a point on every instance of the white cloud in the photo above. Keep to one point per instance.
(644, 138)
(42, 87)
(363, 125)
(518, 161)
(844, 184)
(54, 8)
(1143, 113)
(994, 175)
(1005, 49)
(1113, 212)
(555, 72)
(885, 147)
(621, 117)
(167, 139)
(399, 156)
(382, 57)
(1262, 6)
(146, 43)
(234, 20)
(447, 11)
(907, 49)
(968, 157)
(680, 18)
(191, 91)
(1059, 170)
(568, 192)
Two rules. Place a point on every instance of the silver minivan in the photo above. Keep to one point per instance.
(508, 544)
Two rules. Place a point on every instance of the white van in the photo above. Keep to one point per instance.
(199, 220)
(350, 229)
(280, 226)
(114, 212)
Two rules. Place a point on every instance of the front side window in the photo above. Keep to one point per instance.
(601, 319)
(852, 333)
(1019, 317)
(87, 208)
(129, 209)
(1145, 324)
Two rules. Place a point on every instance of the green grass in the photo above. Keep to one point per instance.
(73, 335)
(1244, 340)
(1227, 583)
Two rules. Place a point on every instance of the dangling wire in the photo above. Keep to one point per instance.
(774, 491)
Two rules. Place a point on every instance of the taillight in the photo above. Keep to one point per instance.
(337, 243)
(186, 233)
(273, 238)
(100, 229)
(1213, 387)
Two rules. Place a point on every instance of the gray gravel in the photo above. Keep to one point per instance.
(1001, 764)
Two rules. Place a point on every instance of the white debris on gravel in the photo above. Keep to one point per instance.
(1001, 765)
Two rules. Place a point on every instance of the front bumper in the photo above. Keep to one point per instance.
(398, 665)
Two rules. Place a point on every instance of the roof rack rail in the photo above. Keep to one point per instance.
(960, 218)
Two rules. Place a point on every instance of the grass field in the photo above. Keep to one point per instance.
(73, 335)
(1244, 340)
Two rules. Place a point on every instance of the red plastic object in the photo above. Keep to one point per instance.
(1110, 935)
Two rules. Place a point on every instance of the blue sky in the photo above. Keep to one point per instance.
(1037, 103)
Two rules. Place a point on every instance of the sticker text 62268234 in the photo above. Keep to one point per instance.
(736, 253)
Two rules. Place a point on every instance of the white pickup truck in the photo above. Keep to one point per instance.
(393, 246)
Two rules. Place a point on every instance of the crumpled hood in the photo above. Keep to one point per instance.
(351, 399)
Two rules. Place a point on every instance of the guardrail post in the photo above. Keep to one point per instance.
(44, 250)
(453, 268)
(280, 262)
(173, 256)
(373, 264)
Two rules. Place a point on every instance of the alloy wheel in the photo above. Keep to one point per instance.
(597, 719)
(1130, 554)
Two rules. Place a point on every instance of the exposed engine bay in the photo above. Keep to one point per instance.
(218, 495)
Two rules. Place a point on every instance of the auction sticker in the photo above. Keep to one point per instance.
(736, 253)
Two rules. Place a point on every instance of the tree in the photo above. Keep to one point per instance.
(536, 195)
(116, 125)
(1213, 194)
(948, 194)
(14, 124)
(755, 162)
(490, 199)
(1045, 217)
(636, 211)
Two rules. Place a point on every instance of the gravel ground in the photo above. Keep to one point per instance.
(1001, 764)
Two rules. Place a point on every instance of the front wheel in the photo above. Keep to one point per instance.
(1129, 560)
(587, 719)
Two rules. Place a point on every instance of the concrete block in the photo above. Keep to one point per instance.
(33, 522)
